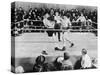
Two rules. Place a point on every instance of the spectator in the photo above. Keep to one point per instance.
(51, 17)
(86, 61)
(66, 63)
(94, 63)
(19, 15)
(39, 64)
(19, 69)
(82, 20)
(58, 63)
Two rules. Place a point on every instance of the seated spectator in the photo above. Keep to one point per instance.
(82, 19)
(94, 63)
(89, 23)
(19, 69)
(79, 19)
(77, 64)
(66, 63)
(49, 67)
(20, 14)
(58, 63)
(86, 61)
(39, 64)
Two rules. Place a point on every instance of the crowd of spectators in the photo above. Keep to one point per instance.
(19, 14)
(34, 16)
(61, 63)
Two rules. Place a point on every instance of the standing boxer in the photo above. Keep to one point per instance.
(57, 19)
(65, 26)
(49, 25)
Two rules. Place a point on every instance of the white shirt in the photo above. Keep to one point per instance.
(82, 19)
(89, 22)
(19, 69)
(58, 19)
(86, 61)
(66, 22)
(47, 23)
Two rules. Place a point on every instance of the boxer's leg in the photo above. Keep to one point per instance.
(59, 36)
(65, 39)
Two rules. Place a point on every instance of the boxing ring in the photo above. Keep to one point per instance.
(37, 41)
(30, 44)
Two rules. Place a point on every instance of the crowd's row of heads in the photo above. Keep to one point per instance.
(38, 13)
